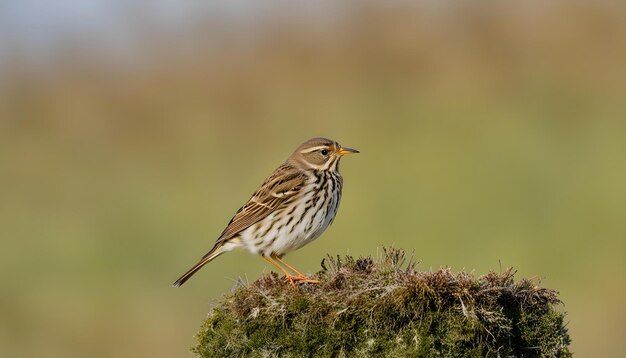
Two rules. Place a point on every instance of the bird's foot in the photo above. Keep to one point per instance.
(299, 279)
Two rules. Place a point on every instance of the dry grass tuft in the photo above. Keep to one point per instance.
(384, 307)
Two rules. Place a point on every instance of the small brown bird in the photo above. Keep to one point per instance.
(292, 208)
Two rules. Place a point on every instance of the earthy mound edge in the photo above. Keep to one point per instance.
(384, 307)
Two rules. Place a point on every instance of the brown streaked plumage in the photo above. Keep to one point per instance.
(292, 208)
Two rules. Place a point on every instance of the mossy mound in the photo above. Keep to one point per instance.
(364, 308)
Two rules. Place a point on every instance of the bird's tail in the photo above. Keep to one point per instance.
(215, 252)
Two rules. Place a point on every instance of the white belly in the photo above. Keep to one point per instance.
(292, 227)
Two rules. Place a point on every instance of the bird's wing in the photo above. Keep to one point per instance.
(280, 187)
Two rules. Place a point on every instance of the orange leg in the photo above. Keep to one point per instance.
(292, 279)
(277, 265)
(275, 257)
(301, 277)
(289, 276)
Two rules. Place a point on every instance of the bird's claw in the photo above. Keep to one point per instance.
(299, 279)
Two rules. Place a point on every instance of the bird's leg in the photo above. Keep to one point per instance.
(300, 278)
(275, 257)
(289, 276)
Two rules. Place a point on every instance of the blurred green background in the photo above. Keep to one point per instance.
(493, 134)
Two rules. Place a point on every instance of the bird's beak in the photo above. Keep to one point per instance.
(344, 151)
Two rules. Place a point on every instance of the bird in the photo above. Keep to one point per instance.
(293, 207)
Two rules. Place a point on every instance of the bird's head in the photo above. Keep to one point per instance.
(319, 154)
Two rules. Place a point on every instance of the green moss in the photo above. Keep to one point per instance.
(365, 308)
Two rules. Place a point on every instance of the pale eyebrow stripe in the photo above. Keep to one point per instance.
(313, 149)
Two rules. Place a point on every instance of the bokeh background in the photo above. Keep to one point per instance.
(493, 134)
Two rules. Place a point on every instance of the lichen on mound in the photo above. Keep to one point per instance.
(365, 307)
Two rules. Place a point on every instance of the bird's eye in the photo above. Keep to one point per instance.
(324, 152)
